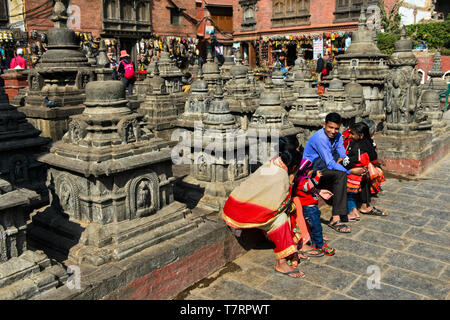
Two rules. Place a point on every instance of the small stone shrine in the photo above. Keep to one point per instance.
(241, 95)
(173, 76)
(355, 93)
(270, 120)
(110, 181)
(307, 112)
(431, 108)
(336, 99)
(197, 104)
(366, 59)
(19, 146)
(158, 107)
(226, 67)
(57, 85)
(221, 161)
(287, 95)
(436, 82)
(24, 274)
(406, 141)
(211, 72)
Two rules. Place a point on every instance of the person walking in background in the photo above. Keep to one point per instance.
(127, 71)
(113, 65)
(18, 62)
(320, 66)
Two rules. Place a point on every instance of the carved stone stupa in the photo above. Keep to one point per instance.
(241, 95)
(336, 99)
(19, 146)
(197, 104)
(220, 169)
(407, 131)
(111, 183)
(366, 59)
(57, 85)
(159, 107)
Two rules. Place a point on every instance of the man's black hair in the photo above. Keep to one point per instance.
(333, 117)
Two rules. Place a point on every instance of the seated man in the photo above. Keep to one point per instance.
(325, 150)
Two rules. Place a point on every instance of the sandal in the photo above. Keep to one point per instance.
(338, 227)
(317, 255)
(375, 212)
(326, 250)
(291, 272)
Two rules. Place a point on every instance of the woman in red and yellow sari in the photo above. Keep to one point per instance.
(263, 201)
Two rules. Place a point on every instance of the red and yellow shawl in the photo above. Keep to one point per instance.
(260, 198)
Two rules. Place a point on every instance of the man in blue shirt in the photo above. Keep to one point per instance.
(325, 149)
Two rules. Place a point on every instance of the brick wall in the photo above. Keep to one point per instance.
(168, 281)
(161, 18)
(425, 63)
(90, 16)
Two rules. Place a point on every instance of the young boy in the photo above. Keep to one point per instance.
(306, 189)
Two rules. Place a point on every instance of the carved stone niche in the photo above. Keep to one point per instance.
(248, 14)
(36, 81)
(143, 196)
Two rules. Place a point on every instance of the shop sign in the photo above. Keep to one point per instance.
(317, 48)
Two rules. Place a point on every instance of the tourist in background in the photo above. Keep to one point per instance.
(320, 66)
(127, 71)
(113, 65)
(18, 62)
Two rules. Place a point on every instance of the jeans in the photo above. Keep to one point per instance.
(351, 201)
(312, 218)
(128, 83)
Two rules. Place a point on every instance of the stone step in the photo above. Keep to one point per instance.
(162, 233)
(41, 236)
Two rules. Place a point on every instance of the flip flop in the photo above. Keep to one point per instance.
(319, 254)
(290, 272)
(375, 212)
(339, 228)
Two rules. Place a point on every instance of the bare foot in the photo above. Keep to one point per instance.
(354, 214)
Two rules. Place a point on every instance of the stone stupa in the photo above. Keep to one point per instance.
(57, 85)
(370, 66)
(111, 184)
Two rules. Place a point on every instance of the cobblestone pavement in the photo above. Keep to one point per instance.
(411, 248)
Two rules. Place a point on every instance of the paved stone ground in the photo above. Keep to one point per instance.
(411, 248)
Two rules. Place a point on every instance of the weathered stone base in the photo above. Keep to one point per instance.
(212, 195)
(97, 244)
(53, 123)
(29, 275)
(161, 271)
(413, 154)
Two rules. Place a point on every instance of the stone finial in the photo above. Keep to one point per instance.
(353, 76)
(436, 68)
(362, 19)
(218, 94)
(102, 58)
(59, 15)
(403, 33)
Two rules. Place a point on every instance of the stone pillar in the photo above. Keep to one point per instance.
(14, 81)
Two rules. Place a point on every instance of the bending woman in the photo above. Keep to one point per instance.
(263, 201)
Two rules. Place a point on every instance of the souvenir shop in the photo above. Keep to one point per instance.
(328, 44)
(10, 41)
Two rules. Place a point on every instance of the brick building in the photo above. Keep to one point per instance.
(129, 21)
(258, 22)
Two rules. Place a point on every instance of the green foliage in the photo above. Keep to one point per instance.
(436, 34)
(386, 41)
